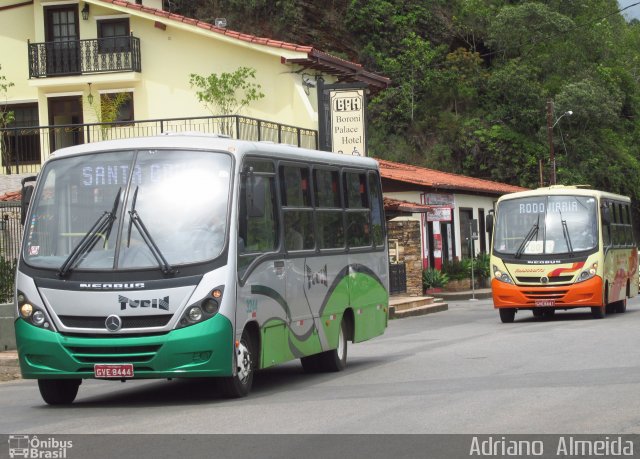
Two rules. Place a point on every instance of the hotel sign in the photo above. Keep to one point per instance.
(342, 115)
(347, 122)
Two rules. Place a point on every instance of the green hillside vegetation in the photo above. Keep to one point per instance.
(471, 80)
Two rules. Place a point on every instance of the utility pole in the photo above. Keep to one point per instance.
(552, 157)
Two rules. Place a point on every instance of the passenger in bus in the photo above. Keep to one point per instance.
(293, 239)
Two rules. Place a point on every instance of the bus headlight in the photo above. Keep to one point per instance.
(588, 273)
(501, 276)
(202, 310)
(33, 314)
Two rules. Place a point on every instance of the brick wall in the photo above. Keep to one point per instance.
(408, 235)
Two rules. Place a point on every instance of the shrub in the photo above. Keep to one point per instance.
(432, 278)
(481, 268)
(456, 269)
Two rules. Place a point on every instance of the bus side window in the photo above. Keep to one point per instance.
(358, 213)
(630, 238)
(258, 225)
(618, 229)
(376, 209)
(295, 190)
(329, 213)
(606, 223)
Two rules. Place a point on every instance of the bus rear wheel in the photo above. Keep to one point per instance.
(329, 361)
(59, 391)
(507, 315)
(239, 385)
(621, 306)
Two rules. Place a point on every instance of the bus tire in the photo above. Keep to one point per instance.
(239, 385)
(329, 361)
(621, 306)
(548, 314)
(59, 391)
(507, 315)
(598, 312)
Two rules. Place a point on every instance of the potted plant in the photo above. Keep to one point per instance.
(433, 280)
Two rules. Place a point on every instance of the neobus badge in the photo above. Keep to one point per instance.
(110, 286)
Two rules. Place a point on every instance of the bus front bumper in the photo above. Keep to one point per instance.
(201, 350)
(582, 294)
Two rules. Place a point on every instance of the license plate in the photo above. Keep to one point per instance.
(540, 303)
(117, 371)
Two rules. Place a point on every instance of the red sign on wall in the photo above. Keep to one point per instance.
(439, 214)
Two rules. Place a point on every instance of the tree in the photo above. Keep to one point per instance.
(517, 29)
(226, 94)
(108, 111)
(6, 118)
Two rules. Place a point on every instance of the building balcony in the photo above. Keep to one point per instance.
(24, 149)
(79, 57)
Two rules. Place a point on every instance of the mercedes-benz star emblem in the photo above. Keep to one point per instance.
(113, 323)
(544, 279)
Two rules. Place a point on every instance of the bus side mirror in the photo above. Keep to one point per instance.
(606, 215)
(25, 199)
(488, 223)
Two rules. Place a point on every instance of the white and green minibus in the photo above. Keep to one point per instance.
(188, 256)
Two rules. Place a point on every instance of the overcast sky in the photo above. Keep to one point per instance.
(633, 12)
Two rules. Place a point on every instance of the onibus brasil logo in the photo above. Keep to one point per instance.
(34, 447)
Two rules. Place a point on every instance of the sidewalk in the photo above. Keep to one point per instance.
(9, 367)
(478, 294)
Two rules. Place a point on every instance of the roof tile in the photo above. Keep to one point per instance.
(442, 180)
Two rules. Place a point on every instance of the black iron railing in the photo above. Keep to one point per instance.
(397, 278)
(10, 235)
(25, 148)
(74, 57)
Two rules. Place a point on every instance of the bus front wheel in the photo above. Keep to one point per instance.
(598, 312)
(239, 385)
(507, 315)
(59, 391)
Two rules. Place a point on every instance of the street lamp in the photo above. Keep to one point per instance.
(550, 126)
(568, 112)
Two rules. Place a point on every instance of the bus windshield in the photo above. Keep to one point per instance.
(546, 225)
(129, 210)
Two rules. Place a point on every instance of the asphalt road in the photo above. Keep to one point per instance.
(458, 371)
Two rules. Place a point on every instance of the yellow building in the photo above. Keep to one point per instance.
(65, 57)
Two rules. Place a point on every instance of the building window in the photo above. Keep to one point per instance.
(23, 142)
(113, 36)
(116, 106)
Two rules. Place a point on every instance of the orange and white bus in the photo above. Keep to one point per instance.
(562, 247)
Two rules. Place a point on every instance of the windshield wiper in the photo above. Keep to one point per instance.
(533, 232)
(565, 233)
(146, 237)
(102, 227)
